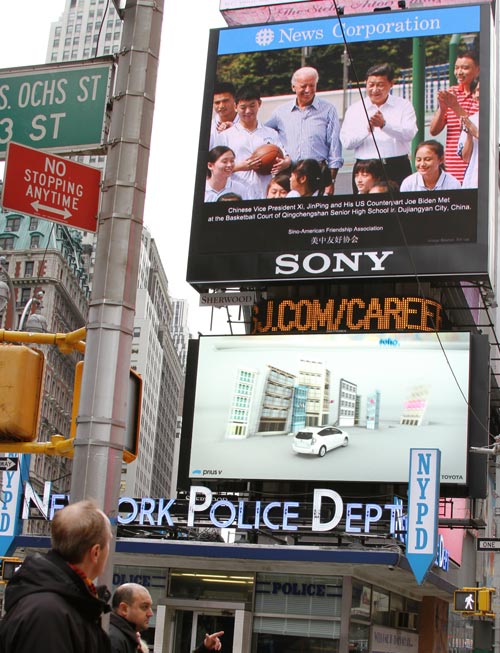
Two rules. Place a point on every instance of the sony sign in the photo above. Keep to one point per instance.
(320, 262)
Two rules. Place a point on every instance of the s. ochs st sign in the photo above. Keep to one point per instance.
(347, 314)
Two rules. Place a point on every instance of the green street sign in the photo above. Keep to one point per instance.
(59, 107)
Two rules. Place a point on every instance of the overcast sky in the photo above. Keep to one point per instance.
(24, 31)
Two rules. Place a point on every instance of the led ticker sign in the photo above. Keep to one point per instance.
(347, 314)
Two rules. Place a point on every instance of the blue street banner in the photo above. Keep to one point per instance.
(423, 505)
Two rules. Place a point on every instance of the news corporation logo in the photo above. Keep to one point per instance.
(264, 36)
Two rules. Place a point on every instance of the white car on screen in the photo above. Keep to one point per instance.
(317, 440)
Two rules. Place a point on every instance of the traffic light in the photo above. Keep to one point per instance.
(9, 568)
(133, 421)
(21, 378)
(466, 600)
(473, 600)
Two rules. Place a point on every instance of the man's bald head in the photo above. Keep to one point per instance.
(133, 602)
(77, 528)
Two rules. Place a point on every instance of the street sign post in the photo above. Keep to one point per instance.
(59, 107)
(48, 186)
(8, 464)
(488, 544)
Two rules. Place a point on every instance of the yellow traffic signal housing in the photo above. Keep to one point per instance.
(133, 422)
(484, 598)
(9, 568)
(475, 601)
(21, 379)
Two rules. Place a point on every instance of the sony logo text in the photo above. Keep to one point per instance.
(320, 262)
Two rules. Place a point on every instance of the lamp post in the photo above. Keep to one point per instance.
(493, 452)
(34, 322)
(6, 295)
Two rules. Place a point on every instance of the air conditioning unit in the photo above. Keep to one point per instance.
(406, 620)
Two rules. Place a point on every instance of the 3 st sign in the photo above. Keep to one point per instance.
(48, 186)
(60, 107)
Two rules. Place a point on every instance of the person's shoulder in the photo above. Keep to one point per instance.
(450, 181)
(284, 107)
(409, 183)
(264, 130)
(397, 99)
(321, 102)
(42, 606)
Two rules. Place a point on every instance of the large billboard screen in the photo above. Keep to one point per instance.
(261, 402)
(240, 234)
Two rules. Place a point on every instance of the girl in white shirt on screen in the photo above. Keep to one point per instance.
(430, 175)
(307, 179)
(219, 175)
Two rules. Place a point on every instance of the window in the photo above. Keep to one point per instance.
(25, 295)
(33, 224)
(29, 267)
(35, 241)
(380, 607)
(13, 224)
(6, 242)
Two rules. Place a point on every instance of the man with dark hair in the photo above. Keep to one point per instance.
(132, 609)
(381, 126)
(454, 105)
(245, 136)
(51, 603)
(224, 106)
(309, 126)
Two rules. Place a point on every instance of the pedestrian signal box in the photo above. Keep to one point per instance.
(474, 601)
(133, 421)
(21, 379)
(9, 568)
(466, 600)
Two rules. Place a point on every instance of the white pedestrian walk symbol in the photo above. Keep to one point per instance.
(469, 602)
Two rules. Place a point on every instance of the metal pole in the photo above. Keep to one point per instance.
(101, 420)
(495, 599)
(9, 298)
(418, 91)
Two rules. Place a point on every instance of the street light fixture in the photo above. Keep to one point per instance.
(35, 323)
